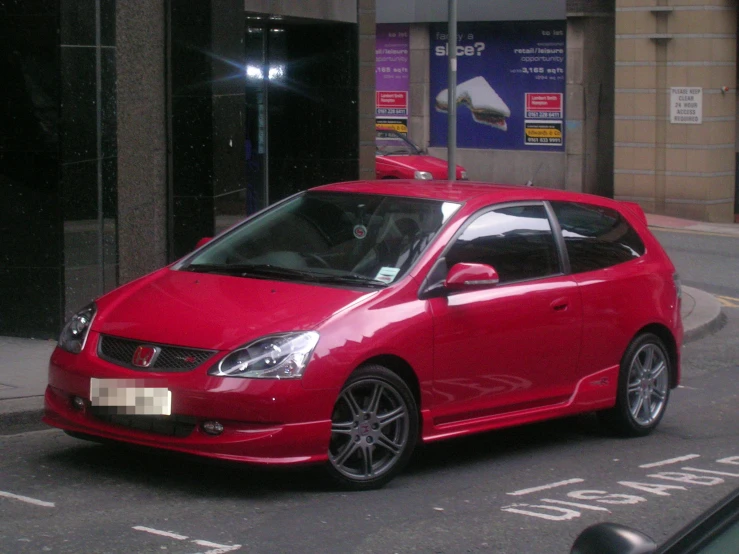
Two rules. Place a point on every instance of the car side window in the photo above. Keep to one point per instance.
(596, 237)
(517, 241)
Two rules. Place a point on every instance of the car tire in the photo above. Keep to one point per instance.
(643, 388)
(374, 429)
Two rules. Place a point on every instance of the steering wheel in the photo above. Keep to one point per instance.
(309, 256)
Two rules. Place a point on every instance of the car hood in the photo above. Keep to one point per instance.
(436, 166)
(215, 311)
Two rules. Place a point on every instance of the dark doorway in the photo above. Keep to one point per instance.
(302, 120)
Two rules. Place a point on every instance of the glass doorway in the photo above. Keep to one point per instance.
(301, 117)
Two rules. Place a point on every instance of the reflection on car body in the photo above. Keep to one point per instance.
(347, 323)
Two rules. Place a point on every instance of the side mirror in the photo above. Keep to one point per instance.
(470, 276)
(201, 242)
(612, 538)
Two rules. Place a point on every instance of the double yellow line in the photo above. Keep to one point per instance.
(689, 232)
(728, 301)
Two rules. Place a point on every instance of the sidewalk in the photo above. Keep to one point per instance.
(666, 222)
(24, 362)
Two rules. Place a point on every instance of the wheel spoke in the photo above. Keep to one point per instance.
(637, 408)
(649, 358)
(634, 386)
(343, 428)
(638, 365)
(388, 444)
(352, 403)
(349, 449)
(657, 371)
(389, 417)
(659, 394)
(367, 461)
(374, 402)
(648, 407)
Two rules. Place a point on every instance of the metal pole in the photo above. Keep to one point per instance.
(452, 98)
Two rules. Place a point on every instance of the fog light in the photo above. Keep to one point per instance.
(212, 427)
(78, 403)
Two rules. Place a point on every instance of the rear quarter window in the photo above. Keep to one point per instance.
(596, 237)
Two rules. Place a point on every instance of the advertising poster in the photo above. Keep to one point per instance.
(392, 57)
(510, 85)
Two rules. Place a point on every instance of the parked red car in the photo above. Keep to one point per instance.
(398, 158)
(347, 323)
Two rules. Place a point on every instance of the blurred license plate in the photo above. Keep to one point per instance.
(130, 397)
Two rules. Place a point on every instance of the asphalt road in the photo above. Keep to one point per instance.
(530, 489)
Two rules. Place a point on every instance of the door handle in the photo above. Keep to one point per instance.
(560, 304)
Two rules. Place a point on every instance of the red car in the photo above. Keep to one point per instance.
(398, 158)
(347, 323)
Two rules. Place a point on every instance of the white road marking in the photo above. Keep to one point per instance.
(217, 548)
(670, 461)
(724, 473)
(161, 533)
(733, 460)
(577, 505)
(27, 499)
(546, 487)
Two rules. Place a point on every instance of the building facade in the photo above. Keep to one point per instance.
(129, 130)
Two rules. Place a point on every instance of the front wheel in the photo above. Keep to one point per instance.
(374, 429)
(643, 388)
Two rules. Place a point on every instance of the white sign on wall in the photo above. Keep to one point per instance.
(686, 105)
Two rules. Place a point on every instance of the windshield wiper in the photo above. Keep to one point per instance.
(252, 269)
(350, 279)
(267, 270)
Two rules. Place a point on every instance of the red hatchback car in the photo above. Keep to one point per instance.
(398, 158)
(347, 323)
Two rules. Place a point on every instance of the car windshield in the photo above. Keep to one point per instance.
(392, 143)
(326, 237)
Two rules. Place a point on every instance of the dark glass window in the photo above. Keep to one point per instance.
(517, 241)
(596, 237)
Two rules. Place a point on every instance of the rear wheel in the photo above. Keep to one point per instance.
(374, 429)
(643, 388)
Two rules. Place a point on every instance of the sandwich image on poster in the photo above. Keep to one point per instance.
(486, 105)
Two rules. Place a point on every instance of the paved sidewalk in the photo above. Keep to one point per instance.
(676, 224)
(24, 362)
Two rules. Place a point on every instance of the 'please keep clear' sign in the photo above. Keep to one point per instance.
(686, 105)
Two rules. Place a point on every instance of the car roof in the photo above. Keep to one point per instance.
(462, 191)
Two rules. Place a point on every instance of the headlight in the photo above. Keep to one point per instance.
(282, 356)
(74, 334)
(424, 175)
(463, 175)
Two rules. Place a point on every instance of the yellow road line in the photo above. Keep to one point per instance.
(728, 301)
(689, 232)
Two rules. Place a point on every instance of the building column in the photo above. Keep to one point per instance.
(589, 104)
(684, 166)
(366, 23)
(142, 138)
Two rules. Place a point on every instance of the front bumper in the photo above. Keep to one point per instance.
(264, 421)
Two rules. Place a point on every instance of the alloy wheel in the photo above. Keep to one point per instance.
(648, 384)
(370, 430)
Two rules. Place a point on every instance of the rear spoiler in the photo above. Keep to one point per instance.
(636, 210)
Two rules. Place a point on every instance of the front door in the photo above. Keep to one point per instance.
(515, 346)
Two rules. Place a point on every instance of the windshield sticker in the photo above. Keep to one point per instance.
(387, 274)
(360, 231)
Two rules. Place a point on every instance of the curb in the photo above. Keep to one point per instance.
(20, 415)
(709, 321)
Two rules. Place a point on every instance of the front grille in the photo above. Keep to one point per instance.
(171, 358)
(171, 426)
